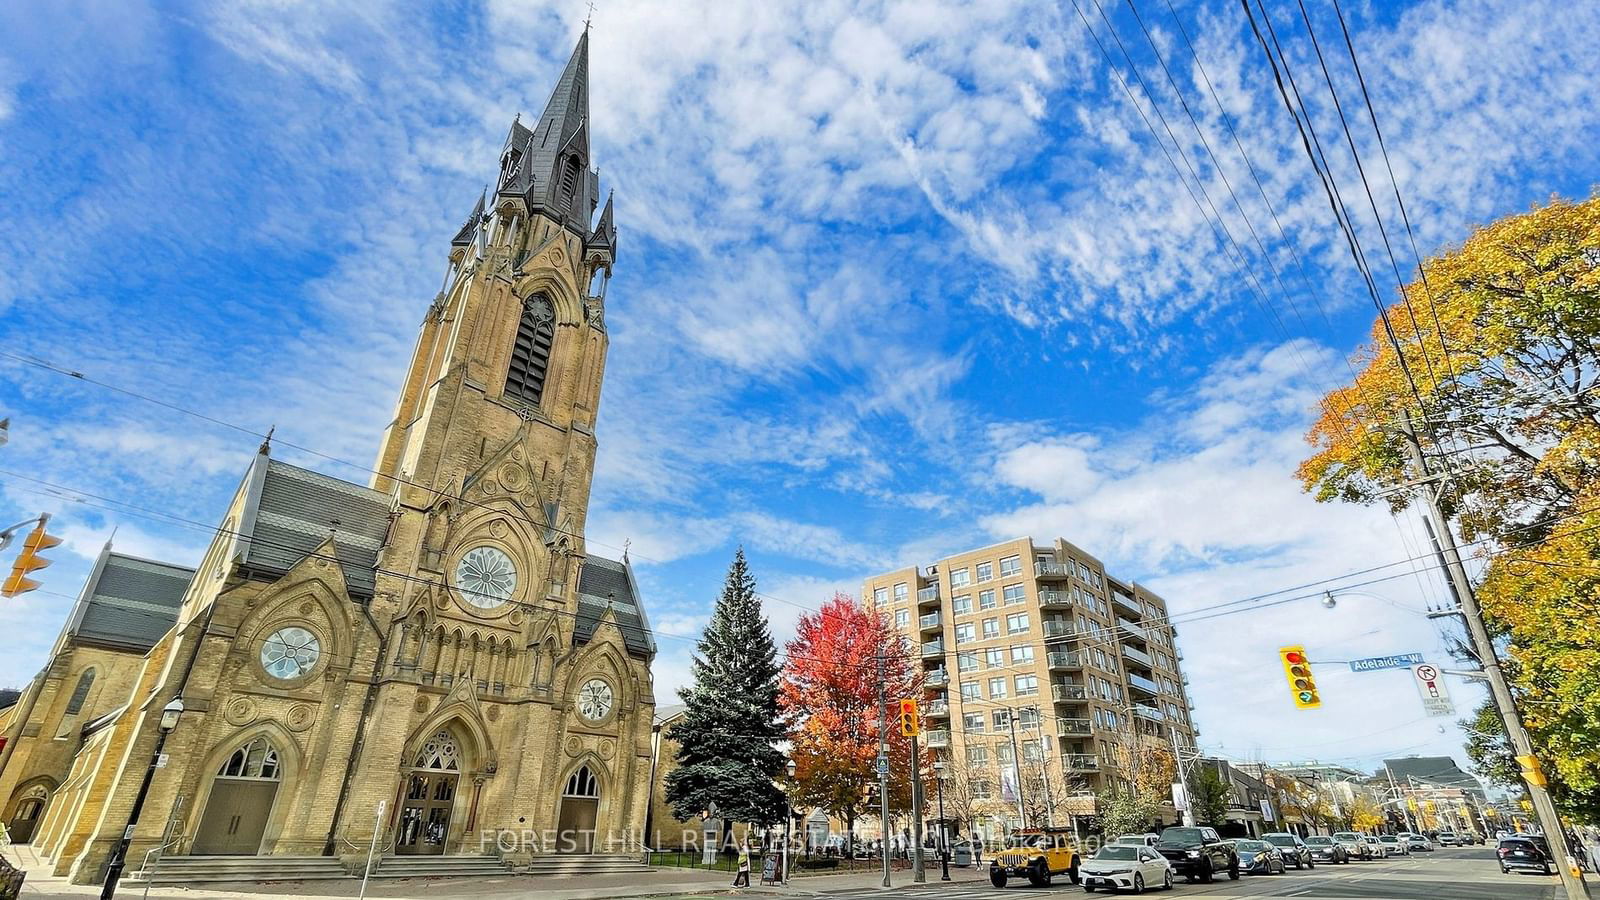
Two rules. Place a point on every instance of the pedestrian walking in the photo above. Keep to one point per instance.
(743, 878)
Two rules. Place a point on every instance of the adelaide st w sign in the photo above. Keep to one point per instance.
(1374, 663)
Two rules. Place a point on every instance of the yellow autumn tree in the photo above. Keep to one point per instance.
(1494, 356)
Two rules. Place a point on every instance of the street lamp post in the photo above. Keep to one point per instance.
(944, 827)
(169, 721)
(788, 820)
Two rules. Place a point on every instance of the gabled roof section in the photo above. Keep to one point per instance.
(129, 603)
(297, 509)
(606, 582)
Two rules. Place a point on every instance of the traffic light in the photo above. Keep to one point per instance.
(910, 723)
(29, 560)
(1298, 670)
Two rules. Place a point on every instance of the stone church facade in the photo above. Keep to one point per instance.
(437, 644)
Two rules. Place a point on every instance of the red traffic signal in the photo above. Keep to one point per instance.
(1302, 686)
(910, 721)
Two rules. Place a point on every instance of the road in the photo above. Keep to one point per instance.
(1467, 874)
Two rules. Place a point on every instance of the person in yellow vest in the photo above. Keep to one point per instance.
(743, 878)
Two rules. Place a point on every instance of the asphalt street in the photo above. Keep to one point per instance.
(1468, 874)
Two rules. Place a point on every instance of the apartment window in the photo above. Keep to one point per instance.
(1011, 565)
(1016, 623)
(1021, 654)
(1028, 717)
(981, 789)
(971, 722)
(902, 618)
(993, 658)
(1100, 658)
(964, 633)
(1111, 719)
(960, 577)
(966, 660)
(991, 628)
(985, 572)
(1027, 685)
(901, 592)
(1014, 594)
(961, 605)
(986, 599)
(880, 597)
(1105, 690)
(1099, 722)
(1083, 571)
(977, 756)
(997, 689)
(1004, 754)
(1032, 751)
(971, 690)
(1002, 719)
(1094, 578)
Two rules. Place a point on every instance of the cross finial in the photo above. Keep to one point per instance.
(589, 17)
(626, 543)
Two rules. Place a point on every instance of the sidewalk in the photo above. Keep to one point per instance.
(662, 882)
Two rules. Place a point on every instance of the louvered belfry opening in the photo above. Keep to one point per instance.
(569, 183)
(530, 357)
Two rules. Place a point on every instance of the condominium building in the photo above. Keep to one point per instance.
(1039, 633)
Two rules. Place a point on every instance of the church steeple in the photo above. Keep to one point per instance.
(548, 166)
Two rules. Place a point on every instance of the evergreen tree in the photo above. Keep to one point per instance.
(728, 754)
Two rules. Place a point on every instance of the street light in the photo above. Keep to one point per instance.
(169, 720)
(788, 818)
(944, 827)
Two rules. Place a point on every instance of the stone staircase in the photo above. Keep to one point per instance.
(224, 869)
(439, 867)
(586, 864)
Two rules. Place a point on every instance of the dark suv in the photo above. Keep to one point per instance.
(1295, 851)
(1198, 853)
(1524, 851)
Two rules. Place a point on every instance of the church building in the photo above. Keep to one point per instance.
(433, 658)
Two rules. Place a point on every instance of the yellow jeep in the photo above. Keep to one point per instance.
(1038, 854)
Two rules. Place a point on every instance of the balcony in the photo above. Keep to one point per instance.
(932, 648)
(1046, 569)
(1135, 656)
(1072, 727)
(1069, 693)
(936, 678)
(1149, 713)
(936, 708)
(1057, 628)
(1080, 762)
(1063, 659)
(1054, 599)
(1124, 602)
(937, 737)
(929, 594)
(1141, 683)
(1134, 630)
(930, 622)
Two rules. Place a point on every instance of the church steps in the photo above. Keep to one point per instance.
(439, 867)
(193, 869)
(596, 864)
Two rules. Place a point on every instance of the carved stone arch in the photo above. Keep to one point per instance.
(601, 659)
(296, 601)
(507, 525)
(574, 813)
(466, 721)
(40, 788)
(564, 299)
(290, 773)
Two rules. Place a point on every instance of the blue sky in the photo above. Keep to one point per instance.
(896, 279)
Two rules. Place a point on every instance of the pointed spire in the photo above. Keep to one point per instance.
(605, 233)
(566, 117)
(464, 236)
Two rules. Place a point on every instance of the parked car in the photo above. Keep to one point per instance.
(1295, 852)
(1524, 851)
(1326, 849)
(1415, 841)
(1449, 839)
(1148, 839)
(1260, 858)
(1131, 866)
(1375, 847)
(1198, 854)
(1037, 854)
(1393, 844)
(1353, 846)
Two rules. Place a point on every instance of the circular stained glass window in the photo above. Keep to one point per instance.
(486, 577)
(290, 652)
(594, 700)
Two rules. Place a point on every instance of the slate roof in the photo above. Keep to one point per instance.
(1437, 770)
(561, 133)
(606, 581)
(293, 510)
(129, 603)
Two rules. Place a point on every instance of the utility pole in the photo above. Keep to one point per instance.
(918, 874)
(1016, 768)
(1450, 556)
(1405, 808)
(883, 767)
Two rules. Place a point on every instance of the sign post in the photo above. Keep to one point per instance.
(372, 850)
(1430, 685)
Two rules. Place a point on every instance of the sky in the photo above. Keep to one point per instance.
(895, 280)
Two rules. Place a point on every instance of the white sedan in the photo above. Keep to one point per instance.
(1120, 866)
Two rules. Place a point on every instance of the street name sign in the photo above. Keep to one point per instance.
(1374, 663)
(1430, 685)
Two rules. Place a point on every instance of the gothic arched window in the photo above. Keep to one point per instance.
(530, 356)
(80, 693)
(257, 759)
(582, 783)
(440, 754)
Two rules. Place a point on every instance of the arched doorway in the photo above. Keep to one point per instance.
(430, 796)
(241, 800)
(27, 814)
(580, 806)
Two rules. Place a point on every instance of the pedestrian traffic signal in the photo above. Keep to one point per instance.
(29, 560)
(1298, 670)
(910, 723)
